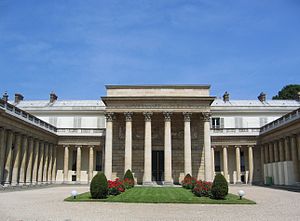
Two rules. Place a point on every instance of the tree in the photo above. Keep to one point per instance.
(99, 186)
(219, 188)
(288, 92)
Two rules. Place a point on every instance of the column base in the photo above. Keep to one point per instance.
(168, 183)
(147, 183)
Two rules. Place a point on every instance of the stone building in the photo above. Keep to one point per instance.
(161, 133)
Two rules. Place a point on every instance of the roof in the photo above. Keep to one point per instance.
(255, 103)
(60, 103)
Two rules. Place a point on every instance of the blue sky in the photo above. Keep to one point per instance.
(76, 47)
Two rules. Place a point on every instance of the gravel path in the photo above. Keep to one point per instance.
(48, 204)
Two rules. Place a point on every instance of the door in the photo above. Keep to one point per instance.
(158, 165)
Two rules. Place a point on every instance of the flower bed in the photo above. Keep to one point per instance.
(115, 187)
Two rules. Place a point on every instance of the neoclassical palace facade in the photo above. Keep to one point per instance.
(160, 132)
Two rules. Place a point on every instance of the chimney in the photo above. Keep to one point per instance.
(226, 97)
(262, 97)
(18, 98)
(53, 97)
(5, 96)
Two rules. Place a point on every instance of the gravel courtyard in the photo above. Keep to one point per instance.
(47, 204)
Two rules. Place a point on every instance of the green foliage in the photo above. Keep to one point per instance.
(188, 182)
(288, 92)
(99, 186)
(219, 188)
(128, 180)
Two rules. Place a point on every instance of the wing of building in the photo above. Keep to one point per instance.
(160, 132)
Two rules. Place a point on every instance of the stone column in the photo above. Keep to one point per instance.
(91, 163)
(108, 145)
(187, 144)
(78, 164)
(275, 164)
(225, 163)
(41, 162)
(213, 161)
(295, 158)
(276, 156)
(262, 161)
(9, 159)
(287, 149)
(50, 163)
(46, 159)
(267, 159)
(66, 164)
(128, 142)
(238, 163)
(30, 161)
(23, 167)
(54, 164)
(298, 146)
(168, 149)
(16, 164)
(2, 153)
(147, 179)
(280, 164)
(35, 162)
(250, 159)
(207, 147)
(271, 153)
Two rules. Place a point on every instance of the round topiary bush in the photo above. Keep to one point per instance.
(219, 188)
(99, 186)
(128, 179)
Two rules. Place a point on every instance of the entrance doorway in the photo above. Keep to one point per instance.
(158, 166)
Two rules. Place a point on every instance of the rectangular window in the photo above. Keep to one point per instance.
(217, 161)
(98, 160)
(74, 160)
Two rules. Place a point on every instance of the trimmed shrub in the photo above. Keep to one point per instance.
(128, 180)
(115, 187)
(99, 186)
(219, 188)
(188, 182)
(202, 188)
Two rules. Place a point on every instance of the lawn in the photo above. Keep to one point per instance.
(160, 195)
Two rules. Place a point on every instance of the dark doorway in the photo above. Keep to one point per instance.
(158, 166)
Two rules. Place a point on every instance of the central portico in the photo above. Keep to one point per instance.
(159, 132)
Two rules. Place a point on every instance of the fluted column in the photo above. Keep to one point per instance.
(22, 178)
(54, 164)
(16, 164)
(78, 164)
(147, 178)
(30, 161)
(287, 149)
(128, 142)
(91, 163)
(9, 159)
(262, 161)
(45, 166)
(250, 159)
(66, 164)
(41, 162)
(108, 145)
(50, 163)
(225, 163)
(35, 162)
(238, 163)
(187, 144)
(168, 149)
(2, 153)
(295, 158)
(207, 146)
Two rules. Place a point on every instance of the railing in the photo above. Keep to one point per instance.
(17, 112)
(235, 131)
(81, 131)
(281, 121)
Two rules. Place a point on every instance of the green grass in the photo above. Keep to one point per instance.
(160, 195)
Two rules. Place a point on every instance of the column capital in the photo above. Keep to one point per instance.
(109, 116)
(224, 146)
(148, 116)
(128, 116)
(187, 116)
(206, 116)
(167, 115)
